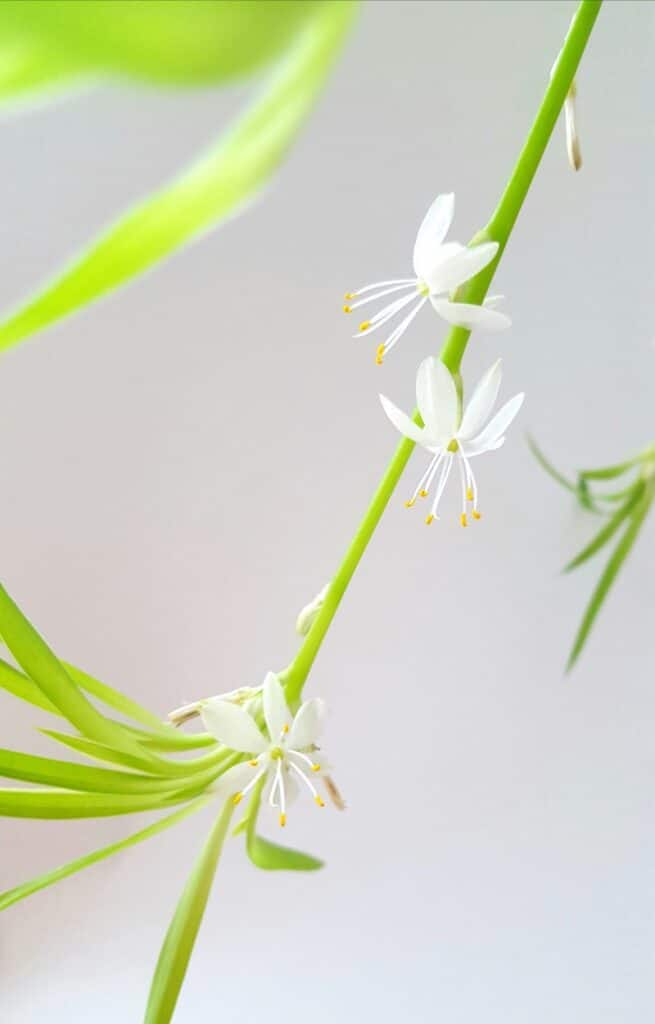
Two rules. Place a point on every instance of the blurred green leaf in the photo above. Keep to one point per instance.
(618, 557)
(20, 892)
(212, 188)
(51, 43)
(608, 472)
(549, 468)
(100, 751)
(21, 686)
(608, 531)
(270, 856)
(181, 936)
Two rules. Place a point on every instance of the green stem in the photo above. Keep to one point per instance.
(498, 229)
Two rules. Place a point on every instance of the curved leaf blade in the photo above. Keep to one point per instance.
(608, 531)
(183, 930)
(214, 187)
(266, 855)
(47, 43)
(610, 572)
(25, 889)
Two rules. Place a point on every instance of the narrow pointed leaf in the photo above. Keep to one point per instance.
(44, 668)
(99, 751)
(21, 686)
(611, 570)
(20, 892)
(608, 531)
(181, 936)
(549, 468)
(115, 699)
(270, 856)
(214, 187)
(48, 803)
(608, 472)
(68, 775)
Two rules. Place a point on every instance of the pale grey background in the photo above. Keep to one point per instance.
(183, 465)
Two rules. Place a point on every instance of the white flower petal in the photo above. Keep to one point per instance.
(432, 231)
(235, 779)
(458, 264)
(436, 397)
(462, 314)
(404, 424)
(276, 712)
(482, 402)
(307, 724)
(499, 424)
(232, 726)
(472, 450)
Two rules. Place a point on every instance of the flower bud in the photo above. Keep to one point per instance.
(305, 620)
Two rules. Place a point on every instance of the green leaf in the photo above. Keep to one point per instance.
(118, 701)
(68, 775)
(548, 466)
(608, 472)
(271, 857)
(608, 531)
(47, 803)
(46, 43)
(611, 570)
(44, 668)
(267, 855)
(100, 751)
(181, 935)
(215, 186)
(20, 686)
(20, 892)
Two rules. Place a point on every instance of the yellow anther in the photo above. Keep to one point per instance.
(285, 729)
(422, 494)
(283, 820)
(378, 360)
(379, 353)
(316, 767)
(253, 764)
(321, 803)
(462, 519)
(347, 309)
(469, 493)
(348, 296)
(410, 503)
(237, 798)
(430, 519)
(365, 324)
(476, 514)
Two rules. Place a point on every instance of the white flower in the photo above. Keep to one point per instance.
(449, 435)
(439, 268)
(283, 755)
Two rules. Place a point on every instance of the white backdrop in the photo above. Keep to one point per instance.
(182, 467)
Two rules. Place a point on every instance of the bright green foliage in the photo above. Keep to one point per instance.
(46, 44)
(211, 189)
(181, 935)
(633, 501)
(266, 855)
(20, 892)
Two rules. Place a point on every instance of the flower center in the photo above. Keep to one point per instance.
(276, 754)
(422, 288)
(452, 446)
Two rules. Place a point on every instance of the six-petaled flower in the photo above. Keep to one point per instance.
(439, 268)
(450, 436)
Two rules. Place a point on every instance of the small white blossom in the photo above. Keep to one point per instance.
(284, 755)
(448, 435)
(439, 268)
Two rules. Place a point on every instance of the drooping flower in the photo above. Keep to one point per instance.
(439, 268)
(284, 754)
(448, 435)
